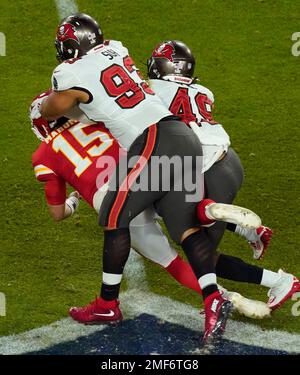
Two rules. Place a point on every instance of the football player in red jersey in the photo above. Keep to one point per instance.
(103, 81)
(55, 166)
(70, 153)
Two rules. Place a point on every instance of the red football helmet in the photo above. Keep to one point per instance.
(41, 127)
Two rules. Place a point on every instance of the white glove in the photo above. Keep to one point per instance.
(73, 201)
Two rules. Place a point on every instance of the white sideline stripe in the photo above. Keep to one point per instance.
(135, 303)
(66, 7)
(185, 315)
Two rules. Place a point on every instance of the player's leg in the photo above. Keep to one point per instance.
(168, 135)
(282, 285)
(222, 183)
(148, 239)
(228, 173)
(179, 216)
(121, 206)
(258, 239)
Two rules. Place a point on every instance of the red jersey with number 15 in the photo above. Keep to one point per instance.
(70, 155)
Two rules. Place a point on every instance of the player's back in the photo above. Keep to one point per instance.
(76, 155)
(119, 96)
(194, 103)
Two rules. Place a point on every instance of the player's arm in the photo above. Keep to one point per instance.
(66, 93)
(57, 104)
(63, 211)
(60, 207)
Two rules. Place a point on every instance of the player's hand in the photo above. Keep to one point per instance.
(75, 194)
(73, 202)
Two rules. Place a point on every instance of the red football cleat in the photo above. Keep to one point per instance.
(284, 289)
(97, 312)
(217, 310)
(260, 240)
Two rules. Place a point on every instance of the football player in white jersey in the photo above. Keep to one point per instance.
(101, 79)
(170, 72)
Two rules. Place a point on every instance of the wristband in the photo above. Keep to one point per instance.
(73, 203)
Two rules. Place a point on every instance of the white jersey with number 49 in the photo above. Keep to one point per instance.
(193, 104)
(119, 96)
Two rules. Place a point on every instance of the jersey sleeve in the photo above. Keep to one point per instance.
(207, 92)
(118, 45)
(55, 186)
(63, 78)
(55, 191)
(211, 97)
(43, 173)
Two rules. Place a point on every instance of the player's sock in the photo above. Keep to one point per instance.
(231, 227)
(115, 254)
(233, 268)
(200, 253)
(270, 278)
(183, 273)
(243, 232)
(201, 212)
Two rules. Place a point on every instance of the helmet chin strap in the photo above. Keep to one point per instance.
(178, 79)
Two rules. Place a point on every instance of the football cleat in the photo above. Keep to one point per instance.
(217, 310)
(97, 312)
(260, 240)
(233, 214)
(244, 306)
(285, 288)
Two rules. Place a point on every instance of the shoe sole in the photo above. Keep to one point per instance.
(249, 308)
(219, 328)
(262, 255)
(290, 294)
(99, 322)
(234, 215)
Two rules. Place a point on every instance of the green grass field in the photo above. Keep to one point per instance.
(243, 51)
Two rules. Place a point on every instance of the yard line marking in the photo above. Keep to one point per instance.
(66, 7)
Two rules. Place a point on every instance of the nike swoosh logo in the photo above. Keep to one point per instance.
(56, 71)
(111, 313)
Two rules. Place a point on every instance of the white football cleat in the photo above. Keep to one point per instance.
(233, 214)
(286, 286)
(260, 240)
(248, 307)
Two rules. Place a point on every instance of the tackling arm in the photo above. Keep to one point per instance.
(57, 104)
